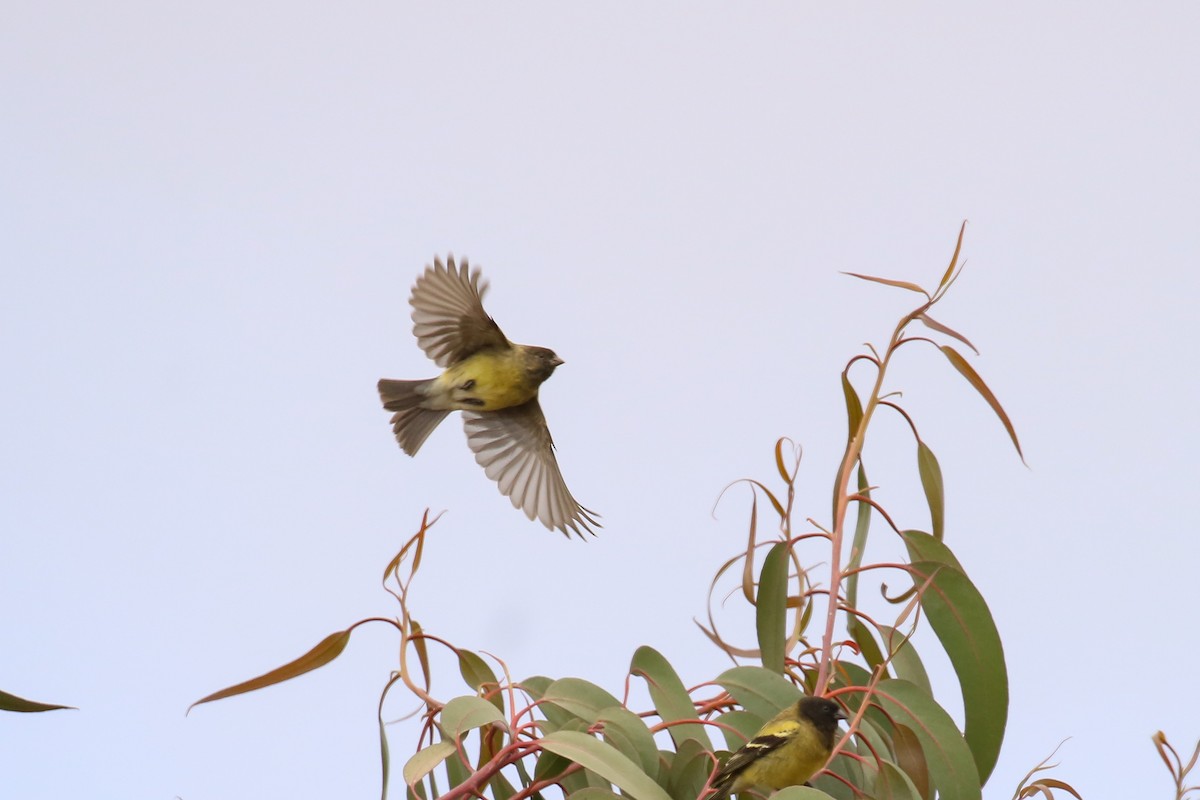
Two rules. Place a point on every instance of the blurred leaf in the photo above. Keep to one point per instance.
(905, 661)
(800, 793)
(859, 546)
(854, 409)
(951, 765)
(912, 287)
(931, 482)
(771, 607)
(536, 687)
(911, 759)
(327, 650)
(923, 547)
(861, 635)
(598, 757)
(689, 771)
(973, 378)
(635, 738)
(466, 713)
(758, 690)
(892, 783)
(669, 695)
(953, 259)
(474, 670)
(479, 676)
(425, 761)
(10, 702)
(579, 697)
(744, 724)
(418, 642)
(933, 324)
(959, 616)
(549, 765)
(594, 793)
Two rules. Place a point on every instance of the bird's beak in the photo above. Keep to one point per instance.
(840, 715)
(557, 362)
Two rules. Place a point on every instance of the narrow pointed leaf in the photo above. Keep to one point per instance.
(933, 324)
(859, 546)
(959, 616)
(854, 409)
(10, 702)
(598, 757)
(771, 607)
(973, 378)
(425, 761)
(327, 650)
(669, 695)
(931, 482)
(479, 676)
(905, 661)
(951, 766)
(953, 259)
(912, 287)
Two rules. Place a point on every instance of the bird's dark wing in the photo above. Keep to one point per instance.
(750, 752)
(448, 317)
(514, 447)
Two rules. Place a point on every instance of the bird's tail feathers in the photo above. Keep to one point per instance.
(402, 395)
(412, 426)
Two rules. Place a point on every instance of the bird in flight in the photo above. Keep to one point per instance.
(494, 382)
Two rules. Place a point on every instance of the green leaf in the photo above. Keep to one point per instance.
(327, 650)
(905, 661)
(475, 671)
(669, 695)
(744, 726)
(973, 378)
(910, 758)
(951, 765)
(800, 793)
(425, 761)
(579, 697)
(10, 702)
(959, 616)
(466, 713)
(861, 635)
(689, 771)
(892, 783)
(627, 732)
(931, 482)
(759, 691)
(859, 546)
(771, 607)
(594, 793)
(604, 760)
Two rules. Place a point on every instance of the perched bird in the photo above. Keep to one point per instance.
(787, 751)
(495, 384)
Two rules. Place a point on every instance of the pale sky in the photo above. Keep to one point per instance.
(212, 217)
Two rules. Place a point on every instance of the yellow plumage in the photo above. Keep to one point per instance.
(787, 751)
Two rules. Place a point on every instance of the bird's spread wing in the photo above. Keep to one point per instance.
(514, 447)
(448, 317)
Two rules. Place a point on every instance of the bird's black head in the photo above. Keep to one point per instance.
(823, 712)
(540, 362)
